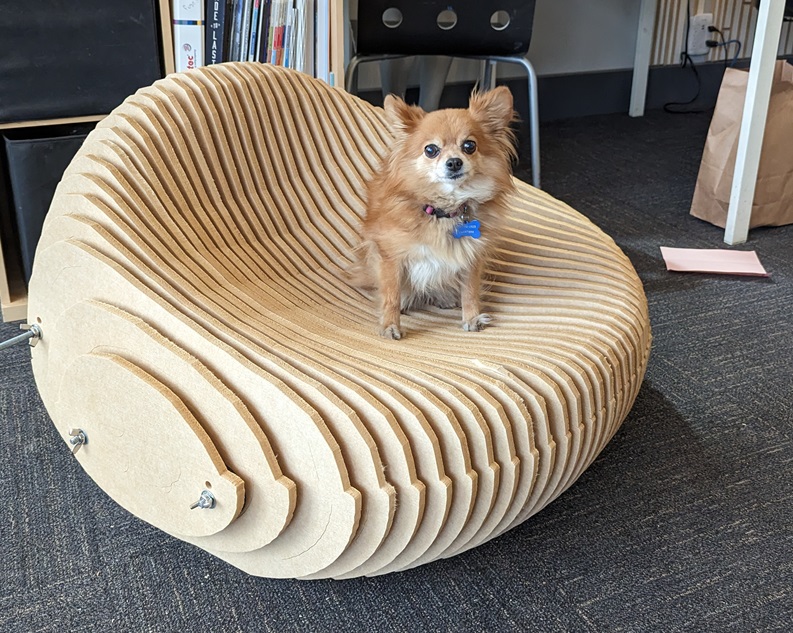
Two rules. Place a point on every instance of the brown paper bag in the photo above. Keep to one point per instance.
(773, 198)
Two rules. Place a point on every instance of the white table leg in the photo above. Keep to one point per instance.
(641, 60)
(755, 111)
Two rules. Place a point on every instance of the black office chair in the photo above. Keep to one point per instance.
(493, 31)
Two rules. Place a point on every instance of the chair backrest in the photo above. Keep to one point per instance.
(446, 27)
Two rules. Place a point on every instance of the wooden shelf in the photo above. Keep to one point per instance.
(42, 122)
(13, 294)
(16, 308)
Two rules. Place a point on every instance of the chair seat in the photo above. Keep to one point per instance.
(197, 328)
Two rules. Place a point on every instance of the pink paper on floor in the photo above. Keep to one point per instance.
(713, 260)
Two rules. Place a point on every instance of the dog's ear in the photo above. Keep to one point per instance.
(404, 117)
(493, 108)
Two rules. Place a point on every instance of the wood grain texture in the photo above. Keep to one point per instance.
(202, 234)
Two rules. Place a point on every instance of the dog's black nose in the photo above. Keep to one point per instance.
(454, 164)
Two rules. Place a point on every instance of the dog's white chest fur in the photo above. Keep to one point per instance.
(429, 272)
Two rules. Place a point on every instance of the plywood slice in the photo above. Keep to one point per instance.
(583, 366)
(562, 382)
(465, 477)
(471, 430)
(408, 372)
(465, 374)
(144, 447)
(301, 191)
(356, 443)
(311, 131)
(328, 509)
(506, 466)
(471, 433)
(381, 517)
(416, 530)
(279, 149)
(296, 197)
(543, 446)
(269, 496)
(399, 465)
(525, 463)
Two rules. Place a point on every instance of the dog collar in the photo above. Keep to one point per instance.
(466, 228)
(440, 213)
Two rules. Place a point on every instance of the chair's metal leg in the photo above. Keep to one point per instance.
(351, 78)
(487, 75)
(534, 110)
(351, 74)
(534, 121)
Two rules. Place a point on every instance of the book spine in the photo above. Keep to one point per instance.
(230, 4)
(272, 50)
(236, 31)
(322, 42)
(279, 48)
(301, 36)
(289, 35)
(215, 45)
(247, 9)
(264, 27)
(271, 31)
(309, 43)
(188, 34)
(251, 52)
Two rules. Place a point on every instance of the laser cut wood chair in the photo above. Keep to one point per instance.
(219, 379)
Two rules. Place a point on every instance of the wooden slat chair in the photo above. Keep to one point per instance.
(219, 378)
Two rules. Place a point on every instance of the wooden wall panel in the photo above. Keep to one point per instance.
(735, 18)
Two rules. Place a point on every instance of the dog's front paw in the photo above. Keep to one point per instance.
(391, 331)
(477, 323)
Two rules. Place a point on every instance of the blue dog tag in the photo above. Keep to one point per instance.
(468, 229)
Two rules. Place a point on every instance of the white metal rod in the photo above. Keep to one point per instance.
(755, 111)
(641, 60)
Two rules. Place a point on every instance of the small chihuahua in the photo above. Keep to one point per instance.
(435, 207)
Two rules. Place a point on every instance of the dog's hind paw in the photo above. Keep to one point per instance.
(391, 331)
(477, 323)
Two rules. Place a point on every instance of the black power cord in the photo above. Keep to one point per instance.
(679, 107)
(725, 44)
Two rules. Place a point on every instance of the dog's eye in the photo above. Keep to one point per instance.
(469, 147)
(431, 151)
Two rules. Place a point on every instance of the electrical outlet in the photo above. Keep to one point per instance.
(698, 33)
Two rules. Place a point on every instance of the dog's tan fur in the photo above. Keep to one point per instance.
(412, 257)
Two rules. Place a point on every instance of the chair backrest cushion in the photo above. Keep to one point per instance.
(430, 27)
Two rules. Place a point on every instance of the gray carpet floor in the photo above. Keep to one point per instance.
(684, 522)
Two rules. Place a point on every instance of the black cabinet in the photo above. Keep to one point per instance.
(62, 63)
(63, 58)
(36, 159)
